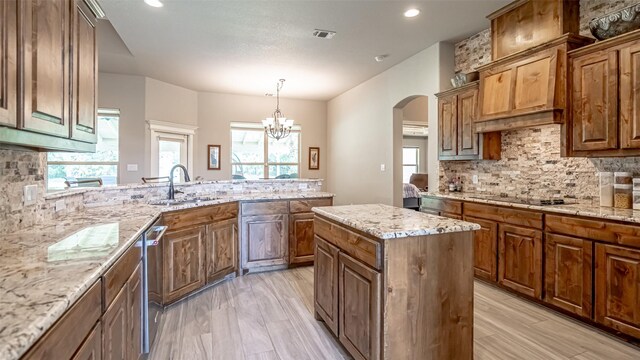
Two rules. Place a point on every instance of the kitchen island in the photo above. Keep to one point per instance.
(393, 283)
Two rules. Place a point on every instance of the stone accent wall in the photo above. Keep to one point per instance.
(531, 165)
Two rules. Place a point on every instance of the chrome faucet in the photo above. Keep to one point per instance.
(172, 190)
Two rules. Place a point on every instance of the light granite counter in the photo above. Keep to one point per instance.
(626, 215)
(44, 269)
(389, 222)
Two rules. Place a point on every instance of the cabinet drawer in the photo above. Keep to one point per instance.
(68, 334)
(205, 215)
(504, 215)
(447, 206)
(265, 208)
(115, 278)
(358, 246)
(300, 206)
(594, 230)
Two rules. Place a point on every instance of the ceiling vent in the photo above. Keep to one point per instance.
(324, 34)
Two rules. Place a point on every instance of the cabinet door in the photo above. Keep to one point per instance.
(84, 74)
(183, 262)
(467, 113)
(134, 304)
(568, 276)
(8, 62)
(630, 97)
(115, 328)
(448, 126)
(534, 85)
(46, 67)
(91, 349)
(222, 249)
(360, 306)
(520, 259)
(325, 283)
(485, 249)
(495, 93)
(618, 288)
(264, 240)
(301, 238)
(594, 115)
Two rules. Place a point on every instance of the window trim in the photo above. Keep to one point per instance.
(159, 128)
(105, 112)
(258, 127)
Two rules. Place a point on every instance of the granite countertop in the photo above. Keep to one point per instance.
(389, 222)
(626, 215)
(44, 269)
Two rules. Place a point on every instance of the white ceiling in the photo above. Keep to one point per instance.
(246, 46)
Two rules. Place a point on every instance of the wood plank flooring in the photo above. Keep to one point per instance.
(270, 316)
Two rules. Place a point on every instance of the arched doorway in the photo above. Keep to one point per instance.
(412, 111)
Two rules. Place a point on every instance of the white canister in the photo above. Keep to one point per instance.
(606, 189)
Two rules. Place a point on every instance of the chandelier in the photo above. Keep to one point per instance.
(278, 126)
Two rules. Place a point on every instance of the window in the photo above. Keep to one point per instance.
(101, 164)
(410, 160)
(171, 144)
(254, 155)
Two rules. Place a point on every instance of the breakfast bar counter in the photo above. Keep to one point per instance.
(393, 283)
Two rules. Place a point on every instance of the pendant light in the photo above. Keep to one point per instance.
(277, 125)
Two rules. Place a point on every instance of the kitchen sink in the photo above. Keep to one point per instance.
(167, 202)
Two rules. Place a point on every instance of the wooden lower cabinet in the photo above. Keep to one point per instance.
(301, 238)
(485, 249)
(221, 244)
(325, 284)
(115, 328)
(184, 257)
(359, 300)
(617, 288)
(520, 259)
(265, 241)
(91, 349)
(568, 276)
(134, 305)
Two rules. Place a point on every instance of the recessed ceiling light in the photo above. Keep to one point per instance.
(380, 58)
(411, 13)
(154, 3)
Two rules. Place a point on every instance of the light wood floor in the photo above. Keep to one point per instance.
(270, 316)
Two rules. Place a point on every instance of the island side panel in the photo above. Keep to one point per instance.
(428, 297)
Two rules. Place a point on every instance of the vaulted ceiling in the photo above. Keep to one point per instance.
(246, 46)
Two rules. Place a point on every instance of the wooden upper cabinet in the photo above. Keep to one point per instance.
(360, 302)
(617, 288)
(183, 262)
(46, 67)
(497, 84)
(520, 259)
(467, 103)
(457, 115)
(84, 74)
(8, 62)
(568, 276)
(485, 249)
(630, 96)
(525, 24)
(448, 126)
(594, 101)
(221, 244)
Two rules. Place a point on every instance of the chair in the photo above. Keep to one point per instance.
(82, 182)
(238, 177)
(421, 181)
(283, 176)
(155, 180)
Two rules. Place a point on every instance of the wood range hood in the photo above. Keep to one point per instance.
(527, 88)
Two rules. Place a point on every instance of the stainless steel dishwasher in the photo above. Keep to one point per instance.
(152, 276)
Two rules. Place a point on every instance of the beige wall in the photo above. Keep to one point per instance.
(167, 102)
(127, 93)
(362, 134)
(417, 110)
(217, 111)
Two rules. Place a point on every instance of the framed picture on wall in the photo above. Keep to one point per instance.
(314, 158)
(214, 157)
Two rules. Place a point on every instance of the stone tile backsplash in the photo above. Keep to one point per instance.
(22, 167)
(531, 165)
